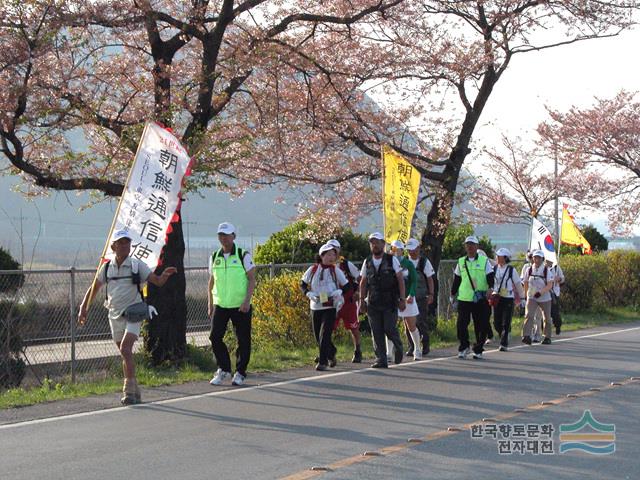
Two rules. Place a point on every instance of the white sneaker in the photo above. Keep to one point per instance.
(417, 354)
(238, 379)
(220, 377)
(477, 356)
(463, 354)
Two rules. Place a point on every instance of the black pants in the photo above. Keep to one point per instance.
(502, 315)
(384, 323)
(480, 313)
(242, 327)
(322, 322)
(555, 310)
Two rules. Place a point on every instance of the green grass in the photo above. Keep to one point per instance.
(199, 364)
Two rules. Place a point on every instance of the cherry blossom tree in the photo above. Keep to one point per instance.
(601, 144)
(97, 70)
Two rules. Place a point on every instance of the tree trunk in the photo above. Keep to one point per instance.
(166, 338)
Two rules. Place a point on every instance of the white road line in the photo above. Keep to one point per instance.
(268, 385)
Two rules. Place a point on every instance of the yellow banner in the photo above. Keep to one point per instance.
(570, 233)
(401, 184)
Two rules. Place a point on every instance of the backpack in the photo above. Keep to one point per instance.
(332, 270)
(344, 266)
(135, 276)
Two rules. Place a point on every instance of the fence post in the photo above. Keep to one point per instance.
(272, 270)
(72, 321)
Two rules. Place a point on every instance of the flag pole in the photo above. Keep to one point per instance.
(560, 235)
(384, 216)
(115, 216)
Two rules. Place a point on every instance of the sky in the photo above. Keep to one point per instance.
(559, 77)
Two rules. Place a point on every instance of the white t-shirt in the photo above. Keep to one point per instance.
(247, 261)
(536, 281)
(376, 264)
(353, 270)
(323, 282)
(510, 284)
(428, 268)
(122, 292)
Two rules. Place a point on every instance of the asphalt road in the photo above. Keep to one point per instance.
(308, 419)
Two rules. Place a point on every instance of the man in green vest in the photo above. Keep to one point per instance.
(473, 277)
(231, 283)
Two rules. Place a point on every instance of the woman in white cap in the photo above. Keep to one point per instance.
(323, 284)
(538, 282)
(507, 286)
(410, 313)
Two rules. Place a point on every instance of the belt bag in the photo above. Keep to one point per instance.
(478, 296)
(136, 313)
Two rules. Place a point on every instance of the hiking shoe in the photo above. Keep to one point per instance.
(238, 379)
(503, 348)
(463, 353)
(526, 340)
(398, 356)
(546, 341)
(220, 377)
(536, 339)
(321, 367)
(487, 341)
(379, 365)
(477, 356)
(128, 399)
(357, 357)
(333, 362)
(417, 355)
(409, 353)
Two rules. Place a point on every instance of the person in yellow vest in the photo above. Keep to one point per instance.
(231, 283)
(472, 285)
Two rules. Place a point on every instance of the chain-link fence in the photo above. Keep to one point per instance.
(38, 318)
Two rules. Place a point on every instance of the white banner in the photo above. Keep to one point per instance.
(541, 239)
(152, 193)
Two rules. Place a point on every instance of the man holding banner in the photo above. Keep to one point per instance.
(124, 278)
(148, 205)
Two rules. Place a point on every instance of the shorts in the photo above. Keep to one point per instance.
(349, 315)
(120, 325)
(410, 311)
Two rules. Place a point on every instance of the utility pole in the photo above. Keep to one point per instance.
(555, 202)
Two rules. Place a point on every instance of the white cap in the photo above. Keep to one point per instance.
(482, 253)
(472, 239)
(503, 252)
(412, 244)
(226, 228)
(334, 243)
(325, 248)
(397, 244)
(376, 236)
(120, 234)
(538, 253)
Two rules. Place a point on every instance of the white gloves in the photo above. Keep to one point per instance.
(314, 297)
(336, 293)
(152, 312)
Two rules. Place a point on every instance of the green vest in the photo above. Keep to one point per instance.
(477, 270)
(229, 278)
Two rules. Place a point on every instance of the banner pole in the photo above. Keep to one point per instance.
(560, 234)
(115, 216)
(384, 216)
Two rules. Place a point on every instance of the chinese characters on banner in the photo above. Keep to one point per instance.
(152, 193)
(401, 186)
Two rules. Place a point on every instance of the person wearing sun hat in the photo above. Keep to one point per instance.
(425, 296)
(472, 285)
(349, 311)
(538, 282)
(124, 277)
(231, 283)
(324, 285)
(382, 293)
(507, 289)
